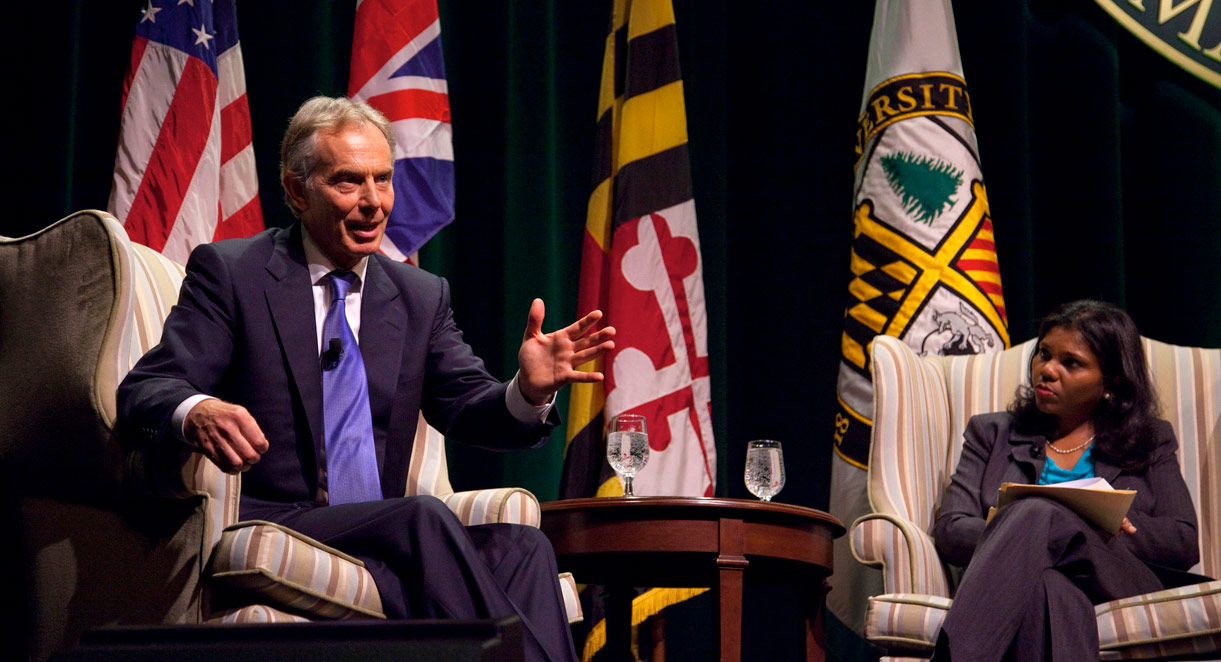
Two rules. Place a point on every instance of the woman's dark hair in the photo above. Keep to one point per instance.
(1124, 420)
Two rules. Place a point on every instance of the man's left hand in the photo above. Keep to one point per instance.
(549, 361)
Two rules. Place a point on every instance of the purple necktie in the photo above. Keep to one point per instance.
(350, 458)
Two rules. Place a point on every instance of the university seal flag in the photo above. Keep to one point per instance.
(923, 265)
(397, 67)
(185, 174)
(641, 265)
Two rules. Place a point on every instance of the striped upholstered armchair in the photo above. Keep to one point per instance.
(921, 407)
(79, 305)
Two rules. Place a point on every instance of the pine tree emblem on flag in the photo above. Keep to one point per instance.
(925, 184)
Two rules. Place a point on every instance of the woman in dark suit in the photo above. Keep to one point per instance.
(1035, 571)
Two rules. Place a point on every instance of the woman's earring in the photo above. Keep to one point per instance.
(1106, 395)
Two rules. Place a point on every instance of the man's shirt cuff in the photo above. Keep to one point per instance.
(521, 409)
(178, 421)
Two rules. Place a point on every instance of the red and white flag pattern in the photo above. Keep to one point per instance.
(641, 265)
(185, 170)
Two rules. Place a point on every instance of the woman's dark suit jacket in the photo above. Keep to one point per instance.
(993, 452)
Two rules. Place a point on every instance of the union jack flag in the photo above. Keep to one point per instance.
(398, 68)
(185, 173)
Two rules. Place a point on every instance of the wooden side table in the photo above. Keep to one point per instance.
(693, 542)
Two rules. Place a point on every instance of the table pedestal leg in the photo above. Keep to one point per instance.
(619, 623)
(730, 567)
(730, 598)
(816, 634)
(659, 637)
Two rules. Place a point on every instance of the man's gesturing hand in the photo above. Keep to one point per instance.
(226, 433)
(549, 361)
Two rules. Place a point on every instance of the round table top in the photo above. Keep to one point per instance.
(692, 507)
(685, 541)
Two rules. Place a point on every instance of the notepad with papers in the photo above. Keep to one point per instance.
(1092, 498)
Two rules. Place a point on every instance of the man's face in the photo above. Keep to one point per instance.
(345, 207)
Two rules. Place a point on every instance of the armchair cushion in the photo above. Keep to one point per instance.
(1162, 624)
(905, 621)
(256, 614)
(294, 572)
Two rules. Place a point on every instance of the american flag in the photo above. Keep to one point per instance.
(185, 173)
(398, 68)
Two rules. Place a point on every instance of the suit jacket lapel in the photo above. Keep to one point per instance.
(291, 303)
(383, 324)
(1104, 469)
(1026, 451)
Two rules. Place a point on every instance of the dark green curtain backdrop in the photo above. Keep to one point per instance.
(1102, 159)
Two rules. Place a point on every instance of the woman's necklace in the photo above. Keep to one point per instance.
(1074, 449)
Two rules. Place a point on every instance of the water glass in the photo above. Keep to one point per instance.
(627, 447)
(764, 468)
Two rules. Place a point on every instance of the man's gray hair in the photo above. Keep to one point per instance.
(299, 151)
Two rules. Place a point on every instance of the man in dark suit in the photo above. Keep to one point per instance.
(255, 369)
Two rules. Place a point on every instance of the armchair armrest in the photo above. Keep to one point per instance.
(505, 505)
(906, 554)
(180, 473)
(429, 474)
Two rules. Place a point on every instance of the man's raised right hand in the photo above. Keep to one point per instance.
(226, 433)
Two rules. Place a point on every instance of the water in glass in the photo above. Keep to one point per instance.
(627, 447)
(764, 469)
(627, 452)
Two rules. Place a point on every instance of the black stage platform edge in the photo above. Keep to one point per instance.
(329, 641)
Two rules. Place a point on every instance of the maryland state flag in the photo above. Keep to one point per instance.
(641, 266)
(923, 263)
